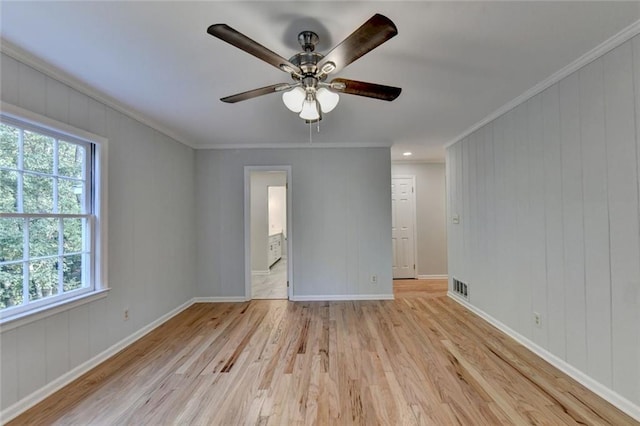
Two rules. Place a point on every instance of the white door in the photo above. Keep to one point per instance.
(403, 227)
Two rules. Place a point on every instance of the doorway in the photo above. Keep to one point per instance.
(268, 257)
(403, 226)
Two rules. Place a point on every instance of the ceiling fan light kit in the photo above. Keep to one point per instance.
(327, 99)
(310, 95)
(310, 110)
(294, 98)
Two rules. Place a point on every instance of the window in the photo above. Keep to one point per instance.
(49, 216)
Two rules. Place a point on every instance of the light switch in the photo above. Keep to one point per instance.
(456, 219)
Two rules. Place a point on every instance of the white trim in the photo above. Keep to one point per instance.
(280, 145)
(100, 247)
(594, 386)
(433, 277)
(50, 70)
(24, 318)
(289, 237)
(417, 161)
(57, 384)
(341, 297)
(234, 299)
(47, 390)
(247, 226)
(600, 50)
(38, 120)
(265, 272)
(38, 64)
(414, 195)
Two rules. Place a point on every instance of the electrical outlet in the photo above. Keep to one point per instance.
(374, 279)
(537, 319)
(126, 314)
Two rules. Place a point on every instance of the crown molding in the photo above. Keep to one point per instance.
(297, 145)
(595, 53)
(418, 161)
(49, 70)
(46, 68)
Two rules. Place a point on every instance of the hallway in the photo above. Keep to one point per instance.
(272, 286)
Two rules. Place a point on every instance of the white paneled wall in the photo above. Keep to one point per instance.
(151, 234)
(548, 199)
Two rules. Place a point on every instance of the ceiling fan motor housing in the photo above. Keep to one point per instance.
(308, 59)
(307, 62)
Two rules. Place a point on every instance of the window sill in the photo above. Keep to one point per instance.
(24, 318)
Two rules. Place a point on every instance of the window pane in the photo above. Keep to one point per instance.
(72, 272)
(38, 152)
(41, 178)
(70, 196)
(43, 278)
(10, 285)
(8, 191)
(11, 238)
(72, 235)
(43, 237)
(70, 159)
(37, 194)
(8, 146)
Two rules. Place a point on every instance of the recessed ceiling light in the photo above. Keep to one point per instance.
(407, 154)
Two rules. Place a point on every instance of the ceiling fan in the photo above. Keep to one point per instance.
(309, 94)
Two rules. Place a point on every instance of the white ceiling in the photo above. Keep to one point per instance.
(457, 62)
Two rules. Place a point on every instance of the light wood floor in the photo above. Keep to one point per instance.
(420, 359)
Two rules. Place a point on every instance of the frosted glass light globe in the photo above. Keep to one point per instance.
(328, 99)
(293, 98)
(309, 111)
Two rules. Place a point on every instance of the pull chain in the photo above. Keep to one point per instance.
(311, 132)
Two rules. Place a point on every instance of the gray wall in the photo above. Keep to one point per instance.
(151, 233)
(260, 182)
(341, 219)
(431, 221)
(549, 220)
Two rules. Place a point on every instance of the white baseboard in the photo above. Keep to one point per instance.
(47, 390)
(596, 387)
(265, 272)
(433, 277)
(24, 404)
(57, 384)
(234, 299)
(341, 297)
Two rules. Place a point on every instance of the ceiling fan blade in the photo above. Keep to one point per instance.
(241, 41)
(256, 92)
(361, 88)
(370, 35)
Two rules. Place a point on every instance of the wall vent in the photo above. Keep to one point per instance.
(461, 289)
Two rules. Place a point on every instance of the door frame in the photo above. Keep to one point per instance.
(414, 217)
(247, 226)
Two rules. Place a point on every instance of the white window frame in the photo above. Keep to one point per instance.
(16, 116)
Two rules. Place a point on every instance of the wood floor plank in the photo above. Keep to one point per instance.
(420, 359)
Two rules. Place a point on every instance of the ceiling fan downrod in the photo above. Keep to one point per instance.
(308, 40)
